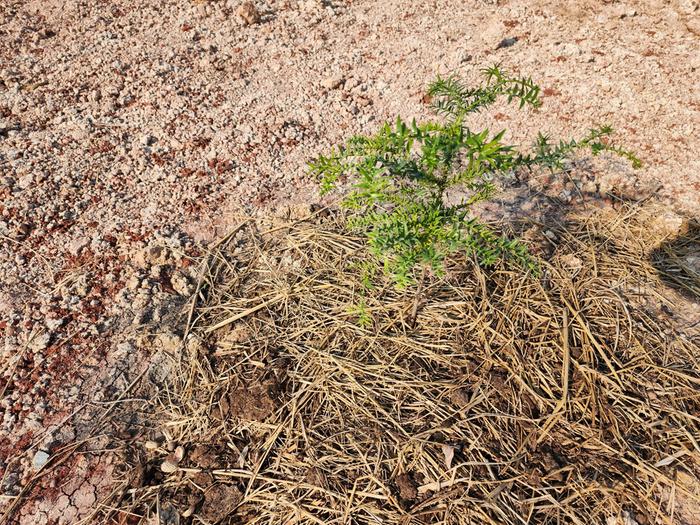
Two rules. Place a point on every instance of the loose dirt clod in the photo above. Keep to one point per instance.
(219, 502)
(408, 490)
(248, 13)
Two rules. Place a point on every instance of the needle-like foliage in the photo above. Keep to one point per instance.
(400, 175)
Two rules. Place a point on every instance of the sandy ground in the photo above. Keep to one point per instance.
(131, 133)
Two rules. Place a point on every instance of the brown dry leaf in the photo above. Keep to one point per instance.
(189, 511)
(137, 476)
(168, 467)
(436, 486)
(449, 452)
(670, 459)
(242, 456)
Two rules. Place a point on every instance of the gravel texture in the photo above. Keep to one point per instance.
(131, 133)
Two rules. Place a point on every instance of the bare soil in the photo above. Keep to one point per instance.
(134, 133)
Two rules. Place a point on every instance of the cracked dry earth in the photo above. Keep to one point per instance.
(133, 133)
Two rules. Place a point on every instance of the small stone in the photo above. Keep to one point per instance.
(248, 13)
(670, 224)
(572, 262)
(333, 82)
(589, 187)
(181, 284)
(692, 263)
(550, 235)
(25, 181)
(40, 342)
(40, 459)
(507, 42)
(77, 245)
(169, 341)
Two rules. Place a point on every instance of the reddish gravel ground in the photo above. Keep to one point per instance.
(132, 133)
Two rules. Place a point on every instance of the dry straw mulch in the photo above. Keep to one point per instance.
(566, 398)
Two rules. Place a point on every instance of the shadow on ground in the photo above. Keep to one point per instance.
(678, 261)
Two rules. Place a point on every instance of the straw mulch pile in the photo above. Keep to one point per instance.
(568, 398)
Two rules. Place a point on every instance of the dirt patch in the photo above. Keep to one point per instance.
(252, 403)
(220, 501)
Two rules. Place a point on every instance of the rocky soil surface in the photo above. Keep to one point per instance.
(133, 133)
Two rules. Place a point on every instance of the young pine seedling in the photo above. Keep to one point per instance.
(400, 177)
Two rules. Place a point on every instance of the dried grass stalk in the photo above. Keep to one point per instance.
(569, 398)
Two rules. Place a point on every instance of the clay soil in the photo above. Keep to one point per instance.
(133, 134)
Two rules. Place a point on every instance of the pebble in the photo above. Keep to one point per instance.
(181, 284)
(507, 42)
(40, 342)
(25, 181)
(589, 187)
(53, 324)
(40, 459)
(670, 224)
(692, 262)
(332, 82)
(248, 13)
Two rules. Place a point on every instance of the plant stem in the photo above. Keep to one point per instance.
(417, 299)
